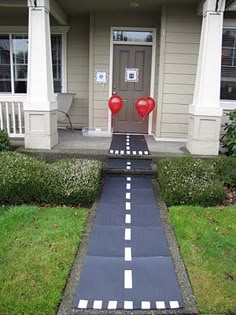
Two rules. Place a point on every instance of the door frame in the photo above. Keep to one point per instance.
(153, 65)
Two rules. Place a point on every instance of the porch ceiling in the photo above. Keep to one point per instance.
(81, 7)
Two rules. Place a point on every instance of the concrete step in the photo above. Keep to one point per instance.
(130, 157)
(123, 167)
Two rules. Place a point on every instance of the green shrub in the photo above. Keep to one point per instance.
(225, 168)
(229, 138)
(24, 179)
(75, 181)
(188, 180)
(4, 141)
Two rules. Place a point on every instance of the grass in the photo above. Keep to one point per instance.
(37, 249)
(207, 240)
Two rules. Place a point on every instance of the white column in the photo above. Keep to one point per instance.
(41, 106)
(205, 112)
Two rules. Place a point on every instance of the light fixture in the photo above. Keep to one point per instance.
(134, 4)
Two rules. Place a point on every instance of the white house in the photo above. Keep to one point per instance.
(173, 48)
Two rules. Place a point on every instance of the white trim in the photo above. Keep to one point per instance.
(228, 104)
(11, 66)
(64, 63)
(58, 13)
(91, 69)
(153, 64)
(24, 29)
(12, 98)
(162, 56)
(117, 42)
(153, 75)
(110, 78)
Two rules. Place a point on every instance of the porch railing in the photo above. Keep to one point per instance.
(12, 118)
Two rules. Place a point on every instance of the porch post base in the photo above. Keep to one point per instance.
(203, 134)
(41, 129)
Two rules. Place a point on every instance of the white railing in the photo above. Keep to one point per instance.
(12, 118)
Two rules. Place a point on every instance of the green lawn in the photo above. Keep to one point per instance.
(37, 249)
(207, 239)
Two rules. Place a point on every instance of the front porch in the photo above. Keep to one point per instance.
(84, 42)
(73, 143)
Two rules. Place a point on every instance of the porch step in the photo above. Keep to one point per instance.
(130, 167)
(130, 157)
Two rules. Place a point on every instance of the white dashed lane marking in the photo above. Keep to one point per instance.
(128, 218)
(128, 186)
(128, 281)
(127, 234)
(128, 196)
(128, 254)
(127, 206)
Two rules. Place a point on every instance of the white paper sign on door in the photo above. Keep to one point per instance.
(131, 74)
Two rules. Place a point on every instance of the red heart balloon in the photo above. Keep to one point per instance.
(115, 104)
(142, 107)
(151, 104)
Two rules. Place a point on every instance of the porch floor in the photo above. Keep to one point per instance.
(73, 141)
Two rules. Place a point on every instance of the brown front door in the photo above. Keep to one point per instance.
(131, 63)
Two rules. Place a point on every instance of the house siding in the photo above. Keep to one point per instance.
(182, 37)
(78, 70)
(101, 57)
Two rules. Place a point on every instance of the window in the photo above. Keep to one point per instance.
(132, 36)
(228, 65)
(14, 63)
(5, 64)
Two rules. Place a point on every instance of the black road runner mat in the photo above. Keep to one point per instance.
(136, 165)
(128, 263)
(129, 145)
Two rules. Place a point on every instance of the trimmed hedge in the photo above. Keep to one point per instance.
(188, 180)
(4, 141)
(75, 181)
(24, 179)
(225, 168)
